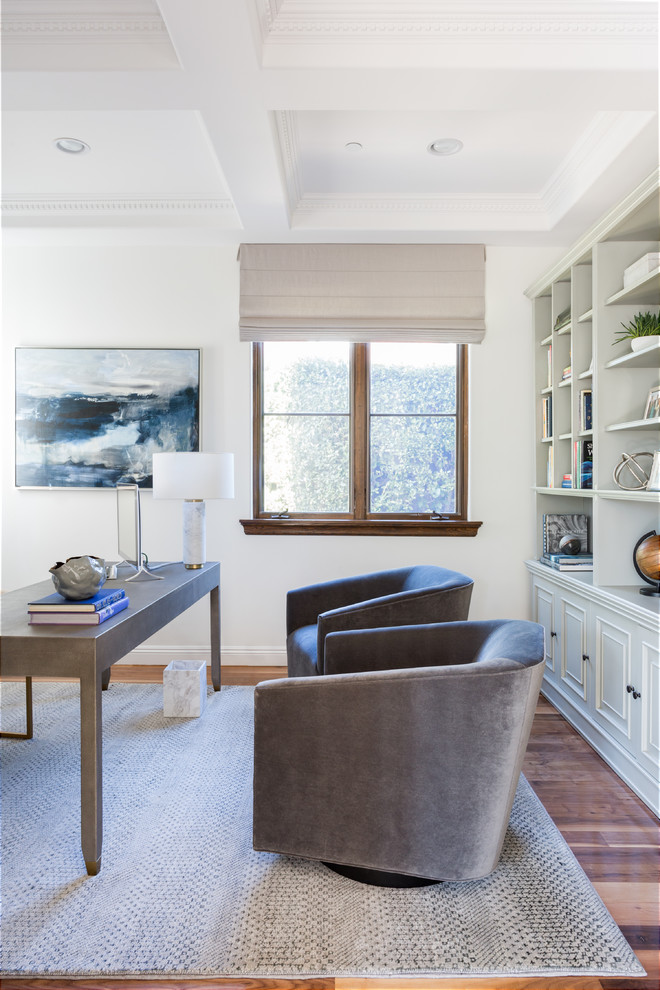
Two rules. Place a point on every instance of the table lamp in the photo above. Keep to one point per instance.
(193, 477)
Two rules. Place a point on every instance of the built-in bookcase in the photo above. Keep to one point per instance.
(578, 363)
(602, 636)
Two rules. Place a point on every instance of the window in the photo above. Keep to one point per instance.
(360, 438)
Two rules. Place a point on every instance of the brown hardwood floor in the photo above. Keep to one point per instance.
(611, 832)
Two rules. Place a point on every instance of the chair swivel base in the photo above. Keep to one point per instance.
(380, 878)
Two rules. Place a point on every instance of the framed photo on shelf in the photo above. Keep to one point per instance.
(91, 417)
(652, 410)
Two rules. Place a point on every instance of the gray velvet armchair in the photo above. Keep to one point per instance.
(405, 596)
(399, 765)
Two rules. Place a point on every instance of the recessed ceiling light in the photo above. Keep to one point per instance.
(353, 146)
(445, 146)
(72, 146)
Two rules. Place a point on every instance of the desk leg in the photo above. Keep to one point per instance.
(91, 793)
(215, 639)
(29, 727)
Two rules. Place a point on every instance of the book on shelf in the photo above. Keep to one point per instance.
(546, 408)
(583, 464)
(567, 481)
(60, 617)
(557, 525)
(56, 602)
(563, 319)
(566, 373)
(582, 562)
(585, 410)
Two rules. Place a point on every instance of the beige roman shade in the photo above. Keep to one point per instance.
(363, 292)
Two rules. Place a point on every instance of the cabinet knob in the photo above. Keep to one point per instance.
(636, 694)
(629, 688)
(585, 656)
(553, 633)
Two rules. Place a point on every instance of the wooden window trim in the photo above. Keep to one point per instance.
(451, 524)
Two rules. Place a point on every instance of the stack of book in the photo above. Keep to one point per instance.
(55, 610)
(568, 562)
(583, 463)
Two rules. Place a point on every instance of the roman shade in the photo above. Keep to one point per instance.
(363, 292)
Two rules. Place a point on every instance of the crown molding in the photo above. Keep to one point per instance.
(598, 146)
(528, 205)
(113, 207)
(647, 190)
(418, 20)
(608, 133)
(83, 21)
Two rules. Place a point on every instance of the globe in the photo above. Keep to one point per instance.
(646, 558)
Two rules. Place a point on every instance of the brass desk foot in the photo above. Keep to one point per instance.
(93, 866)
(28, 715)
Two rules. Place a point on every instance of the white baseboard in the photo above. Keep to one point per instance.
(232, 656)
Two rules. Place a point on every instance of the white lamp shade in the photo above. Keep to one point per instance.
(193, 475)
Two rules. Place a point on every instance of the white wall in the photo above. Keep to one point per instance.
(188, 296)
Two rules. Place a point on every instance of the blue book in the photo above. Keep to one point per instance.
(56, 602)
(60, 617)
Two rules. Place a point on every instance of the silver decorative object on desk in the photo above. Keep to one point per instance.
(78, 577)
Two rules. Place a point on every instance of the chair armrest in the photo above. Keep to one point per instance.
(304, 605)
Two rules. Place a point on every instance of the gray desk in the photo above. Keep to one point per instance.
(88, 653)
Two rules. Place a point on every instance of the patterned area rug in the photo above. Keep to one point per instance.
(182, 893)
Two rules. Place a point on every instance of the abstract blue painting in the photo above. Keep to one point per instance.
(93, 417)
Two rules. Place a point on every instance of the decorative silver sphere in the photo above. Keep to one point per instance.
(570, 544)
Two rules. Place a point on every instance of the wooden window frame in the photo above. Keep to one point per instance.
(360, 522)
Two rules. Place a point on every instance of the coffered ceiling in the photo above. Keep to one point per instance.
(248, 120)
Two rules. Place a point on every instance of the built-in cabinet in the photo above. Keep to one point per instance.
(602, 635)
(603, 672)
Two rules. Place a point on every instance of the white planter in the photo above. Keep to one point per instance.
(184, 688)
(641, 343)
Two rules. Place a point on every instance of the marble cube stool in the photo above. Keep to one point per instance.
(184, 688)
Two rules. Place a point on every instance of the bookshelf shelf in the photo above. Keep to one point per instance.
(620, 495)
(575, 492)
(635, 424)
(644, 291)
(647, 358)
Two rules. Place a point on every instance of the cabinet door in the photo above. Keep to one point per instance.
(544, 614)
(573, 628)
(647, 706)
(613, 664)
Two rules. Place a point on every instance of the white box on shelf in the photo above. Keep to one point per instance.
(184, 688)
(644, 266)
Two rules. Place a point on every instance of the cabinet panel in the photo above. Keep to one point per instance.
(613, 670)
(650, 700)
(544, 614)
(573, 645)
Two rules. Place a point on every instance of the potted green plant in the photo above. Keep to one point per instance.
(642, 331)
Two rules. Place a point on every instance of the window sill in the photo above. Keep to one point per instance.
(359, 527)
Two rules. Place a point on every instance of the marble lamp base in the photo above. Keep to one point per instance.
(194, 533)
(184, 688)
